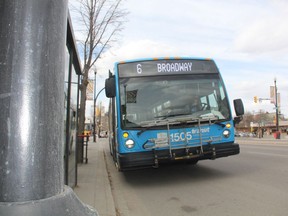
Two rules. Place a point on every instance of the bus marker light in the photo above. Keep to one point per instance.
(228, 125)
(125, 135)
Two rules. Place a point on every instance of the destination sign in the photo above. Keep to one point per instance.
(174, 67)
(166, 67)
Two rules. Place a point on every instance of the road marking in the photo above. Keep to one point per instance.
(266, 147)
(263, 144)
(268, 154)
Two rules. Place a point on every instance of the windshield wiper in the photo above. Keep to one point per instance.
(184, 119)
(165, 120)
(151, 124)
(169, 115)
(143, 130)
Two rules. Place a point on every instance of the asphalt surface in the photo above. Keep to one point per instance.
(255, 182)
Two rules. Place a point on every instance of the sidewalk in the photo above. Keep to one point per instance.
(93, 183)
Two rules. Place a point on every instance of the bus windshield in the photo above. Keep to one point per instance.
(145, 99)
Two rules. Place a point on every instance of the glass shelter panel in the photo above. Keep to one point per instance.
(70, 103)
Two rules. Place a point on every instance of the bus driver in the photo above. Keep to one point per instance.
(195, 107)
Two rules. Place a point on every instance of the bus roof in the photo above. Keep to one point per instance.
(162, 58)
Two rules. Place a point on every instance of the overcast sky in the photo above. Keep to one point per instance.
(248, 39)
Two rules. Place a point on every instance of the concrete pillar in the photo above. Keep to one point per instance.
(32, 41)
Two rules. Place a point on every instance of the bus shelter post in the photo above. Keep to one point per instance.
(84, 139)
(32, 64)
(86, 149)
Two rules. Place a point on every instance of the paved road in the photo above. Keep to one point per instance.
(252, 183)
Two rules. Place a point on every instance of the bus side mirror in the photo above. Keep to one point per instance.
(239, 110)
(110, 88)
(238, 106)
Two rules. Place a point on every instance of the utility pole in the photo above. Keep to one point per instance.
(100, 119)
(276, 107)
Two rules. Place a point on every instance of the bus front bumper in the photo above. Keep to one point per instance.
(155, 157)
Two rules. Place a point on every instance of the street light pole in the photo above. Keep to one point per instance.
(95, 99)
(94, 105)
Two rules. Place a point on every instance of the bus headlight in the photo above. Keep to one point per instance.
(226, 133)
(129, 143)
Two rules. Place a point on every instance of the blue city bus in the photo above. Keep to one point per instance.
(169, 109)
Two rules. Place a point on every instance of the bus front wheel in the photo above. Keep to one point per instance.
(117, 164)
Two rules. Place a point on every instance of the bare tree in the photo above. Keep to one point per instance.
(101, 21)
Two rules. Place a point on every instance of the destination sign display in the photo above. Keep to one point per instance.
(166, 67)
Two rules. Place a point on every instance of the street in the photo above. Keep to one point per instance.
(255, 182)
